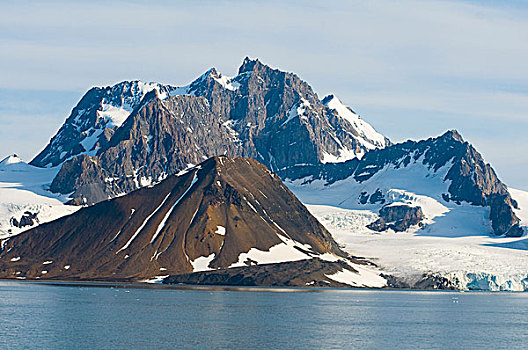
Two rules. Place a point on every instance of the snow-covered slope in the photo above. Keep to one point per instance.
(521, 197)
(455, 244)
(366, 135)
(414, 184)
(23, 189)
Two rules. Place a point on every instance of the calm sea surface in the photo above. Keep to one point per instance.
(40, 316)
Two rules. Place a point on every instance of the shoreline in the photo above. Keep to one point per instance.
(273, 289)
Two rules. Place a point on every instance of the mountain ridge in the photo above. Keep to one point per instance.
(262, 113)
(467, 176)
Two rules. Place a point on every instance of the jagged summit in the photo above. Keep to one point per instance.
(248, 65)
(122, 137)
(453, 134)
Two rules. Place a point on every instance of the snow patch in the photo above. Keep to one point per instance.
(166, 217)
(365, 277)
(282, 252)
(220, 230)
(143, 224)
(297, 110)
(369, 137)
(202, 263)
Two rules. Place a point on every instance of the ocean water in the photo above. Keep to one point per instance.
(42, 316)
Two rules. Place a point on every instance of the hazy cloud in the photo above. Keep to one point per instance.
(412, 68)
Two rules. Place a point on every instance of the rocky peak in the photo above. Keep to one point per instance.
(269, 115)
(248, 65)
(93, 121)
(454, 134)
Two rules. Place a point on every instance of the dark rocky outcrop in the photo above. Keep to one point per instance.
(397, 217)
(163, 229)
(303, 273)
(27, 219)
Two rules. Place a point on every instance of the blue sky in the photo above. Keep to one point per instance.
(413, 69)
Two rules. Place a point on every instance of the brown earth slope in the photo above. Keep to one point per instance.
(224, 207)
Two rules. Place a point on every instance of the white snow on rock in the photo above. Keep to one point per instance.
(297, 110)
(521, 197)
(166, 217)
(24, 188)
(369, 137)
(220, 230)
(127, 244)
(364, 277)
(202, 263)
(227, 82)
(344, 155)
(281, 252)
(114, 116)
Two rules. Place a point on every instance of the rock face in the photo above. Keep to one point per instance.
(224, 213)
(132, 134)
(93, 121)
(398, 218)
(465, 176)
(27, 219)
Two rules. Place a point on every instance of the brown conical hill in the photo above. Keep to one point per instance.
(224, 212)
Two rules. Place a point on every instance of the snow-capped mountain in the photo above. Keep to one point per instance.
(446, 220)
(224, 213)
(122, 137)
(434, 174)
(92, 122)
(366, 135)
(24, 199)
(435, 202)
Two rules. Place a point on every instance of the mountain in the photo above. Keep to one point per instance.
(25, 201)
(445, 176)
(431, 214)
(93, 121)
(133, 134)
(223, 213)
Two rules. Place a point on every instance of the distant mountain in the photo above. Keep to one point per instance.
(224, 213)
(133, 134)
(445, 176)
